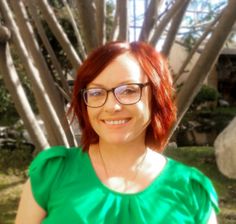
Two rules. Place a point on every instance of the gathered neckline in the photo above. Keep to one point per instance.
(123, 194)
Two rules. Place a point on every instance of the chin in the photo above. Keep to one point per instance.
(119, 140)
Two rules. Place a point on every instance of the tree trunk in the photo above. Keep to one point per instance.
(76, 30)
(19, 97)
(175, 24)
(178, 5)
(47, 45)
(52, 124)
(46, 77)
(150, 19)
(101, 21)
(123, 18)
(196, 46)
(206, 60)
(87, 16)
(57, 30)
(115, 26)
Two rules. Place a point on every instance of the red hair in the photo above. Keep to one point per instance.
(153, 64)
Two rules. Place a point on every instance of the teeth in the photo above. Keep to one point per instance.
(111, 122)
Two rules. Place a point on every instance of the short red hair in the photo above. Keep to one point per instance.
(154, 65)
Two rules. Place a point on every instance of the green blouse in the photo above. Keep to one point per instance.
(66, 186)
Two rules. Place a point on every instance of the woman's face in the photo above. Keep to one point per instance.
(114, 122)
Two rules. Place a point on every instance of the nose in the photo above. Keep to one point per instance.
(112, 104)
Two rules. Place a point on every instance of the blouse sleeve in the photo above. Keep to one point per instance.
(204, 197)
(43, 171)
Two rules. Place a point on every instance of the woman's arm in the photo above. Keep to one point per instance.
(29, 212)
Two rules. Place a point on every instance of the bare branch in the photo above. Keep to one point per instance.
(5, 34)
(55, 135)
(77, 33)
(166, 19)
(58, 32)
(46, 77)
(19, 97)
(87, 16)
(175, 24)
(47, 45)
(120, 26)
(101, 23)
(123, 17)
(194, 49)
(115, 27)
(150, 18)
(207, 59)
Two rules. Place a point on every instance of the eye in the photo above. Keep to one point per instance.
(128, 90)
(95, 92)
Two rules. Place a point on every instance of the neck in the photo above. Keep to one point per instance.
(122, 152)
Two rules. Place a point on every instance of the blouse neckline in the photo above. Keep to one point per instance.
(123, 194)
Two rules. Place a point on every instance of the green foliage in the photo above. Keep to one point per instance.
(56, 3)
(8, 113)
(206, 94)
(7, 108)
(5, 99)
(68, 29)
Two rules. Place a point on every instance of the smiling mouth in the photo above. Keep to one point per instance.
(116, 122)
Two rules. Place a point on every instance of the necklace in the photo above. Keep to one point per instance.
(137, 168)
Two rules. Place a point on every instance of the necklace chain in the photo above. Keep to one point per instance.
(137, 168)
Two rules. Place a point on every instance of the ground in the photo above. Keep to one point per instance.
(13, 169)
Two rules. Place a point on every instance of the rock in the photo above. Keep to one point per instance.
(172, 145)
(223, 103)
(225, 150)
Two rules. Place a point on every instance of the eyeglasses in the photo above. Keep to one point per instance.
(127, 94)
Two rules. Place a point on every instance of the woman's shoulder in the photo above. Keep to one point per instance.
(180, 172)
(194, 184)
(48, 167)
(53, 155)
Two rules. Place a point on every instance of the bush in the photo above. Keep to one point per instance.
(206, 94)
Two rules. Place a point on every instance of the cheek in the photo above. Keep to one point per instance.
(90, 116)
(93, 114)
(145, 111)
(146, 105)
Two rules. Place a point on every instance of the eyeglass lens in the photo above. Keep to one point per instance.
(125, 94)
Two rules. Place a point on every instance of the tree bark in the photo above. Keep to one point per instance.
(87, 16)
(123, 18)
(101, 21)
(47, 112)
(58, 32)
(196, 46)
(76, 30)
(19, 97)
(150, 19)
(115, 26)
(45, 75)
(47, 45)
(5, 34)
(206, 60)
(175, 24)
(165, 20)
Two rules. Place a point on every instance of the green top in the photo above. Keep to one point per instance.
(66, 186)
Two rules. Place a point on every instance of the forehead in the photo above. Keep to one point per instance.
(123, 69)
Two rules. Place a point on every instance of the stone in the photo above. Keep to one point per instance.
(225, 150)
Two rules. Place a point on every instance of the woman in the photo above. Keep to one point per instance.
(123, 100)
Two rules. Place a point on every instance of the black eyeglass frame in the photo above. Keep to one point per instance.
(141, 86)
